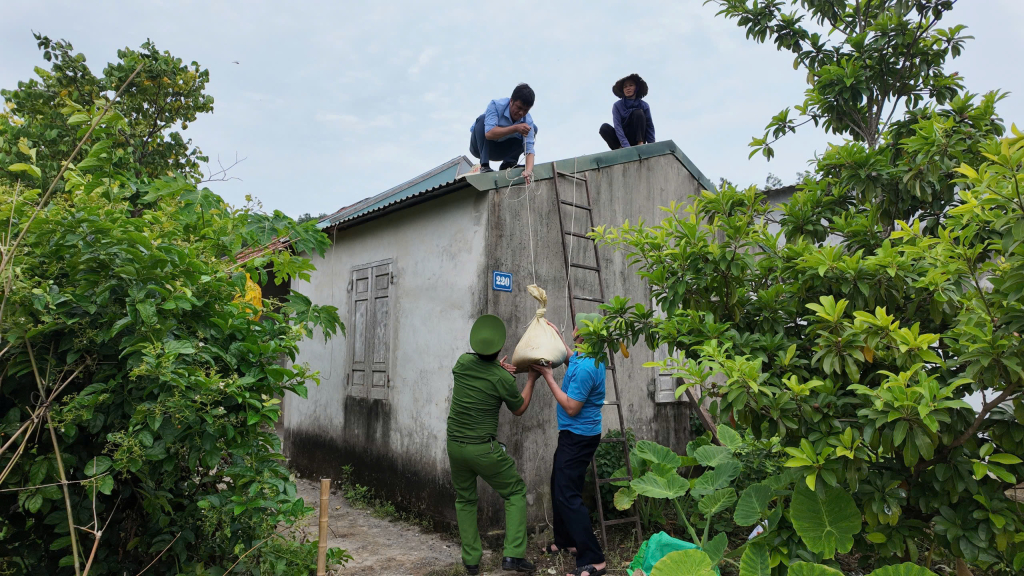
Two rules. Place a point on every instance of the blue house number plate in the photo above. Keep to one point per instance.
(502, 282)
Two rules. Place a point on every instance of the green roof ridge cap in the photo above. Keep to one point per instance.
(545, 171)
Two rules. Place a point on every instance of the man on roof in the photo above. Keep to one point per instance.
(505, 131)
(630, 114)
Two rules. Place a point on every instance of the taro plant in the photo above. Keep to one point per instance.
(822, 525)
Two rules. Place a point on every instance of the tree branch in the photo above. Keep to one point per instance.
(222, 174)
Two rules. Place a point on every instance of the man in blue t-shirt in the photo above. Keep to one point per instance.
(580, 399)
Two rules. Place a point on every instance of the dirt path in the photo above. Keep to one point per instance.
(383, 547)
(379, 546)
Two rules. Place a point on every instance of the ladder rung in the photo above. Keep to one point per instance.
(578, 235)
(584, 266)
(611, 402)
(609, 480)
(621, 521)
(575, 205)
(567, 175)
(609, 440)
(588, 299)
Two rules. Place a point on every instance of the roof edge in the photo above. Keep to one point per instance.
(504, 178)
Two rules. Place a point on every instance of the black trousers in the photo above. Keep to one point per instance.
(635, 128)
(505, 150)
(571, 517)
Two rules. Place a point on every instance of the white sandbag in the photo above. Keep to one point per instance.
(541, 344)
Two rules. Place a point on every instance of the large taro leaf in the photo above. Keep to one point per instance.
(756, 561)
(621, 473)
(624, 498)
(716, 478)
(753, 504)
(715, 549)
(826, 525)
(712, 456)
(714, 503)
(808, 569)
(684, 563)
(905, 569)
(657, 454)
(654, 486)
(729, 437)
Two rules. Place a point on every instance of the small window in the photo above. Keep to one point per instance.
(371, 329)
(665, 384)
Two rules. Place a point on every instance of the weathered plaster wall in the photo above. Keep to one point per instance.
(618, 193)
(445, 251)
(395, 444)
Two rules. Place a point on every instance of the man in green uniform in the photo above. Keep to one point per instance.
(482, 384)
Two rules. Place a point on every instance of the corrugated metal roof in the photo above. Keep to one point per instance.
(441, 175)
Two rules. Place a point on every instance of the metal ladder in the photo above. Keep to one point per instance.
(568, 236)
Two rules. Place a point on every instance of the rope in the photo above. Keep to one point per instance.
(529, 223)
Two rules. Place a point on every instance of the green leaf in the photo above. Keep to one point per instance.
(624, 498)
(756, 561)
(876, 537)
(729, 437)
(808, 569)
(1005, 459)
(753, 504)
(716, 478)
(715, 503)
(684, 563)
(715, 549)
(712, 456)
(657, 454)
(106, 485)
(147, 311)
(655, 486)
(98, 465)
(33, 503)
(826, 525)
(980, 470)
(22, 167)
(905, 569)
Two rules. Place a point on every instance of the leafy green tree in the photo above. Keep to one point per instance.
(138, 389)
(890, 294)
(164, 97)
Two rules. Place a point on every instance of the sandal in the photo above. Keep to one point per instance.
(589, 569)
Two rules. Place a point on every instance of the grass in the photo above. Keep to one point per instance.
(359, 496)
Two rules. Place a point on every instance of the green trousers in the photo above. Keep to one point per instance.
(490, 462)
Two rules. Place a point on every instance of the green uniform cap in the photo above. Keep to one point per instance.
(588, 317)
(488, 335)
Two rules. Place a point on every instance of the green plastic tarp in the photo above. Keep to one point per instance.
(655, 548)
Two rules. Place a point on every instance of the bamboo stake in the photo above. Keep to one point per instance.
(325, 505)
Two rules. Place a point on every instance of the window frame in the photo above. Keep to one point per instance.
(374, 365)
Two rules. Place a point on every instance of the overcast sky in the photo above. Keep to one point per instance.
(335, 101)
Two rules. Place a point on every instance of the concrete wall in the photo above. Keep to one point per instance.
(395, 444)
(620, 192)
(444, 252)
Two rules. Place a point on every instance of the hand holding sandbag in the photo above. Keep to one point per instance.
(541, 343)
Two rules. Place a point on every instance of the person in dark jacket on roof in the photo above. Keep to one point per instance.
(506, 131)
(631, 115)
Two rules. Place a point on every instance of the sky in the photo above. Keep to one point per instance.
(331, 102)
